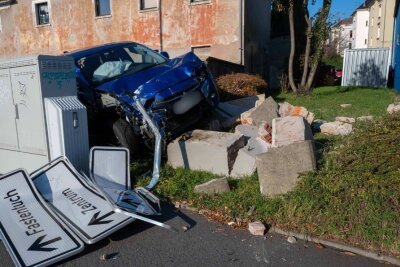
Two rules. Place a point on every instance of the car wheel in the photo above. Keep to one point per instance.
(125, 136)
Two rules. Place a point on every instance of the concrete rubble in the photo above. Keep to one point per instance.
(266, 111)
(289, 130)
(257, 228)
(214, 186)
(206, 150)
(345, 119)
(286, 109)
(393, 108)
(365, 118)
(278, 169)
(336, 128)
(345, 105)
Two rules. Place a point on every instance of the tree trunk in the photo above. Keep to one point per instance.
(292, 48)
(308, 50)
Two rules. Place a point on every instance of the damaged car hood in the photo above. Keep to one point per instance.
(162, 80)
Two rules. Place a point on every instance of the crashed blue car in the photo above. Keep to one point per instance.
(176, 93)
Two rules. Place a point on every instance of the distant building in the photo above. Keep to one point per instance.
(381, 24)
(341, 35)
(236, 31)
(396, 47)
(361, 25)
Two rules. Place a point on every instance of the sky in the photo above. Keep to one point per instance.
(340, 8)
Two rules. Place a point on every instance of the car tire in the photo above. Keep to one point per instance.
(125, 136)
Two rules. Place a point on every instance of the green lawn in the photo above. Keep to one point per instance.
(353, 197)
(325, 101)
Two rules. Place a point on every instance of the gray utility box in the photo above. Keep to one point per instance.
(24, 85)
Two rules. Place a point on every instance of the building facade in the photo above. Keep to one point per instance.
(381, 24)
(361, 26)
(236, 31)
(341, 36)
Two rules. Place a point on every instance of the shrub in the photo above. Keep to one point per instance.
(237, 85)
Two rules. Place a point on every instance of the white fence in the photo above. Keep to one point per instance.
(366, 67)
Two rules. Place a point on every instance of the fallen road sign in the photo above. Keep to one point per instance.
(90, 215)
(31, 232)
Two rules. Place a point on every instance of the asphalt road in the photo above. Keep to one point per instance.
(204, 244)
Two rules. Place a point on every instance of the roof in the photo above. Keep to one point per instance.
(76, 54)
(365, 4)
(346, 21)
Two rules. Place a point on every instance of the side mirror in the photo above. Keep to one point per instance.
(164, 54)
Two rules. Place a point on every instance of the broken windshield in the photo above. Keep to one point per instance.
(118, 61)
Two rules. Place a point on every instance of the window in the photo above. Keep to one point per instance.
(42, 13)
(102, 7)
(380, 10)
(366, 23)
(199, 1)
(379, 33)
(349, 45)
(148, 4)
(372, 22)
(365, 41)
(351, 34)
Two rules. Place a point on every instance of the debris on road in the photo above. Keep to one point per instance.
(110, 256)
(214, 186)
(286, 109)
(292, 239)
(257, 228)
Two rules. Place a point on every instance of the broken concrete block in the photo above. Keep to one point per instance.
(286, 109)
(248, 131)
(278, 169)
(345, 105)
(248, 102)
(336, 128)
(267, 111)
(365, 118)
(345, 119)
(206, 150)
(245, 163)
(290, 129)
(213, 187)
(257, 228)
(392, 108)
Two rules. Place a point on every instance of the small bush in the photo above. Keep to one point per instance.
(237, 85)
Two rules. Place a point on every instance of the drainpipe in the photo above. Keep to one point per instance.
(160, 21)
(241, 39)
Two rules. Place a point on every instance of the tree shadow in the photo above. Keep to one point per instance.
(369, 74)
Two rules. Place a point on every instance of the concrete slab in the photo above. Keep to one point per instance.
(267, 111)
(245, 163)
(214, 186)
(206, 150)
(248, 131)
(290, 129)
(278, 169)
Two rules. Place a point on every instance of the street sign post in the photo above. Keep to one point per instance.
(31, 232)
(87, 212)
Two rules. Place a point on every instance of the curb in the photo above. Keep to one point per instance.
(339, 246)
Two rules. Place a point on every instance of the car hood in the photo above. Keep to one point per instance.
(161, 81)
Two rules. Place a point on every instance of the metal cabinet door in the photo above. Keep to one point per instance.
(30, 117)
(8, 132)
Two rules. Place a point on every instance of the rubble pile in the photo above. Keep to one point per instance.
(273, 139)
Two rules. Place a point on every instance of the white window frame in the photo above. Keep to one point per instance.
(141, 9)
(200, 2)
(101, 16)
(35, 15)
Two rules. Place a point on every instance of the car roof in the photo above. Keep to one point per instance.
(76, 54)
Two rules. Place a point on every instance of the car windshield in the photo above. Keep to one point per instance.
(118, 61)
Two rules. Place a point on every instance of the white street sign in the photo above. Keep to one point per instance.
(31, 232)
(87, 212)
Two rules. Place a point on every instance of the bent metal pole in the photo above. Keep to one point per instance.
(158, 133)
